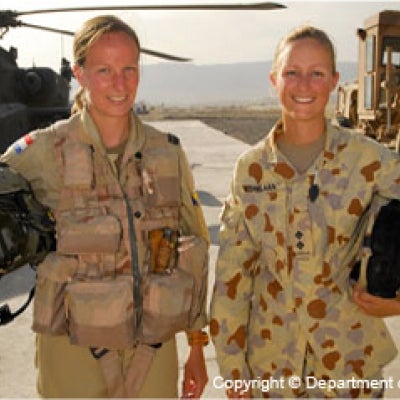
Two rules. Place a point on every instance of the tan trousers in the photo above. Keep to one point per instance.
(65, 370)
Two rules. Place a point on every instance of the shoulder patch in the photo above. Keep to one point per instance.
(195, 199)
(173, 139)
(21, 144)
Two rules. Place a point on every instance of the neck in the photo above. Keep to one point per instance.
(302, 132)
(113, 131)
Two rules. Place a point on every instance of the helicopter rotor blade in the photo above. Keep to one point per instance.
(8, 18)
(153, 53)
(172, 7)
(47, 29)
(165, 56)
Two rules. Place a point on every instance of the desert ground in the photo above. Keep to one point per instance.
(246, 123)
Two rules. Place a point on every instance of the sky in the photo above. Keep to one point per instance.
(207, 37)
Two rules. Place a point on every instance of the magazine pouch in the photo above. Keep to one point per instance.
(82, 234)
(101, 313)
(167, 298)
(52, 277)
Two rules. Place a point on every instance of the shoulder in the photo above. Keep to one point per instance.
(255, 154)
(155, 136)
(357, 146)
(28, 146)
(63, 128)
(35, 150)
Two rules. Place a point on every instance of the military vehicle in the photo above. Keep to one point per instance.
(371, 104)
(35, 97)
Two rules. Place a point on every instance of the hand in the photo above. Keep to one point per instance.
(195, 373)
(231, 394)
(374, 305)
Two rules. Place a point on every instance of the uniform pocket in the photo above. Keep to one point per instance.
(167, 301)
(160, 176)
(100, 313)
(52, 278)
(89, 234)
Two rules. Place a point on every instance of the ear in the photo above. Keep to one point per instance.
(272, 78)
(335, 80)
(78, 73)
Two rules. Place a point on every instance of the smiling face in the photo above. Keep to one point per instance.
(304, 78)
(110, 75)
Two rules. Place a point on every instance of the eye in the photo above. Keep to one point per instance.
(318, 74)
(130, 70)
(103, 70)
(290, 73)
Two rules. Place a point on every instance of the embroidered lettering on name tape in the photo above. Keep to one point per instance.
(269, 187)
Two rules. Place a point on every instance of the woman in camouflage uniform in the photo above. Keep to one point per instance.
(282, 311)
(103, 165)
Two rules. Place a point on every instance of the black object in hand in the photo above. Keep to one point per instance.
(383, 268)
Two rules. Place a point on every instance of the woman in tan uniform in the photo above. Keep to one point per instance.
(113, 185)
(283, 318)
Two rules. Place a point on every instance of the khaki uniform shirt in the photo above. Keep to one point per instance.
(282, 279)
(66, 370)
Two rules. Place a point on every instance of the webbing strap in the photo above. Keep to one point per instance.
(111, 367)
(138, 369)
(137, 296)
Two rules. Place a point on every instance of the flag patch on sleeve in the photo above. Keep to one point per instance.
(21, 144)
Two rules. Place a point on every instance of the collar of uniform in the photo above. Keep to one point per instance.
(136, 138)
(272, 155)
(91, 135)
(332, 143)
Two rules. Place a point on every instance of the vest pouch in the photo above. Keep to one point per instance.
(160, 176)
(78, 165)
(193, 259)
(52, 277)
(101, 313)
(166, 305)
(89, 234)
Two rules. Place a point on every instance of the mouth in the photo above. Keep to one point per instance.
(303, 100)
(118, 99)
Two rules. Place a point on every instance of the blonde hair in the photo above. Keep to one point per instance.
(91, 31)
(304, 32)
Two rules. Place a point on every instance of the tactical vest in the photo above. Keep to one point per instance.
(98, 287)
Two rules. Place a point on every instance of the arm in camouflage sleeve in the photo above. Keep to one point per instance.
(232, 293)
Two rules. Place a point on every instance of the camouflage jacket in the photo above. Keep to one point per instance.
(282, 275)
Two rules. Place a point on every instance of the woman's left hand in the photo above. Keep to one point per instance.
(195, 373)
(374, 305)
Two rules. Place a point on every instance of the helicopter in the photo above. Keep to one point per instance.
(35, 97)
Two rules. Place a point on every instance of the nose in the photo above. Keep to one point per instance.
(119, 80)
(304, 80)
